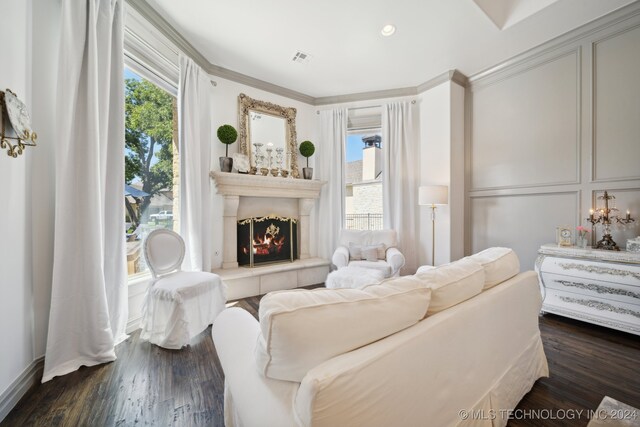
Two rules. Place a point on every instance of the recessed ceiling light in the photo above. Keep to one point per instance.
(387, 30)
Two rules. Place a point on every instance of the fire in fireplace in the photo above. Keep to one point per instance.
(267, 239)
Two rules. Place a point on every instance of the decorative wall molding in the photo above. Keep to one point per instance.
(516, 72)
(12, 395)
(162, 25)
(580, 41)
(594, 103)
(572, 37)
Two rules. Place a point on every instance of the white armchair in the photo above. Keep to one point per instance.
(390, 260)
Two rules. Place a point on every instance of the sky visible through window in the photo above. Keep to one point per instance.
(354, 147)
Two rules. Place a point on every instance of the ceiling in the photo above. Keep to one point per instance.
(347, 52)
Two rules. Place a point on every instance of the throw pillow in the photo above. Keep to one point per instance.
(370, 253)
(355, 251)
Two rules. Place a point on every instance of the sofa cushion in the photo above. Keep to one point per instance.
(452, 283)
(380, 265)
(499, 264)
(303, 328)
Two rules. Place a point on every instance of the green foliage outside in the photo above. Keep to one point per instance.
(148, 131)
(307, 149)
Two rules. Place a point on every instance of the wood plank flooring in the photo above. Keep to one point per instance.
(151, 386)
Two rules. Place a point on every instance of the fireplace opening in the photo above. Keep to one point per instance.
(266, 240)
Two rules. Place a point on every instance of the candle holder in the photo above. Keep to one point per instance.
(605, 217)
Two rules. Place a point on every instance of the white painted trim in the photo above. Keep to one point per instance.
(133, 324)
(28, 378)
(164, 27)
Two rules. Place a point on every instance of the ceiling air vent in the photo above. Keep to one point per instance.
(301, 57)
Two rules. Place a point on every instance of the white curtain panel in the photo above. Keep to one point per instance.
(89, 292)
(195, 139)
(329, 163)
(400, 180)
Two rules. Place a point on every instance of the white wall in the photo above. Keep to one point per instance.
(46, 33)
(16, 315)
(225, 111)
(442, 163)
(548, 132)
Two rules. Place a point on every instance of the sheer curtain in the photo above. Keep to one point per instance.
(400, 179)
(89, 295)
(330, 167)
(195, 139)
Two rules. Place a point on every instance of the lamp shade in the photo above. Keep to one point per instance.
(433, 195)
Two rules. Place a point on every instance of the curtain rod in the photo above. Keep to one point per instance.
(413, 101)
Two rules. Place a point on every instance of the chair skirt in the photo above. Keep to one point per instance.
(181, 305)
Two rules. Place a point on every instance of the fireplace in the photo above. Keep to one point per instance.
(266, 240)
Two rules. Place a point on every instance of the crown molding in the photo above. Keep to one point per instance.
(365, 96)
(162, 25)
(573, 36)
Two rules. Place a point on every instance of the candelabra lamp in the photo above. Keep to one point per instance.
(606, 216)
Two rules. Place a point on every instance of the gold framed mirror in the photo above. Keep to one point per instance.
(267, 123)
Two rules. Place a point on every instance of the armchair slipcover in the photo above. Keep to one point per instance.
(390, 265)
(179, 304)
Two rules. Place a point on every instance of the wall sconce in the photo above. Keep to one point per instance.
(14, 112)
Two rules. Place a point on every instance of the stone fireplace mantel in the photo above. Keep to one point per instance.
(236, 184)
(232, 186)
(251, 281)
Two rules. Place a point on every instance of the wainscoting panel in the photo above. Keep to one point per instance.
(521, 222)
(515, 134)
(616, 110)
(549, 131)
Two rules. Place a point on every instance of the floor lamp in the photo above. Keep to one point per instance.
(432, 195)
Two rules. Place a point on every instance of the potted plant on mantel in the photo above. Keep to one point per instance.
(227, 134)
(307, 149)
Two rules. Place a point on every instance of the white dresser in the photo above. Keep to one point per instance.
(597, 286)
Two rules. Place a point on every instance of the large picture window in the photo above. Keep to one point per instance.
(363, 175)
(150, 164)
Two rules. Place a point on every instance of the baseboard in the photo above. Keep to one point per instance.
(134, 324)
(12, 395)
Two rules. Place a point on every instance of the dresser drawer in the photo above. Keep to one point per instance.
(613, 314)
(592, 288)
(626, 274)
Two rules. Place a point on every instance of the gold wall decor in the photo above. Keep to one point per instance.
(14, 113)
(248, 106)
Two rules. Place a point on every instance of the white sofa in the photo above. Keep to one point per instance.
(390, 264)
(412, 351)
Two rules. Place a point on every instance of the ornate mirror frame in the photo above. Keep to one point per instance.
(246, 103)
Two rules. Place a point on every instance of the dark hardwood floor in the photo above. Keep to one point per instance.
(149, 385)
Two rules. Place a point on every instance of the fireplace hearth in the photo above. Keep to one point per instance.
(267, 240)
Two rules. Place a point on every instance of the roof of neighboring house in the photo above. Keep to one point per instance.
(353, 172)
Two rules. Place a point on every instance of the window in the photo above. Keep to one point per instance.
(151, 163)
(363, 176)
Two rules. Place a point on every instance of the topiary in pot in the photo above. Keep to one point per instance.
(227, 134)
(307, 149)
